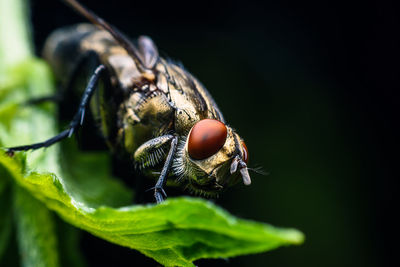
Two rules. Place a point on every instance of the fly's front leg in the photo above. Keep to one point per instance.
(159, 192)
(151, 153)
(76, 121)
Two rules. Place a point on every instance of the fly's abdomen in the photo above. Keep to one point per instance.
(74, 53)
(63, 49)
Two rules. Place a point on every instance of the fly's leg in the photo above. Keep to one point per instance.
(56, 98)
(152, 152)
(149, 154)
(159, 192)
(76, 121)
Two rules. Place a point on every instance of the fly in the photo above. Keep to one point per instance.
(147, 108)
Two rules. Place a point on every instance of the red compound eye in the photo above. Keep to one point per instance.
(245, 153)
(206, 138)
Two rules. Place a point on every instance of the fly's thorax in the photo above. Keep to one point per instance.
(124, 68)
(142, 118)
(186, 114)
(189, 97)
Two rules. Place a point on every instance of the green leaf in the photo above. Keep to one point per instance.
(5, 214)
(69, 248)
(35, 231)
(173, 233)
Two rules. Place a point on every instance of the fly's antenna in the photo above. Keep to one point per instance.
(259, 170)
(117, 35)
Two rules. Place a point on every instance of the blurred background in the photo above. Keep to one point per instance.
(312, 88)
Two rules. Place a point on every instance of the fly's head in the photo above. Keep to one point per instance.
(211, 158)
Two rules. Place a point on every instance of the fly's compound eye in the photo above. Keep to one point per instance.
(206, 138)
(245, 153)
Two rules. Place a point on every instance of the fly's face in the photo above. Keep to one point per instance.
(211, 158)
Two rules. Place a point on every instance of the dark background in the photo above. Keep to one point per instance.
(312, 88)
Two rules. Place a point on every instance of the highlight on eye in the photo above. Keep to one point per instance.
(206, 138)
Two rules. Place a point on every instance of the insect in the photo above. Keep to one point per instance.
(147, 108)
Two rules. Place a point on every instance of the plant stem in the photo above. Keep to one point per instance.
(15, 45)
